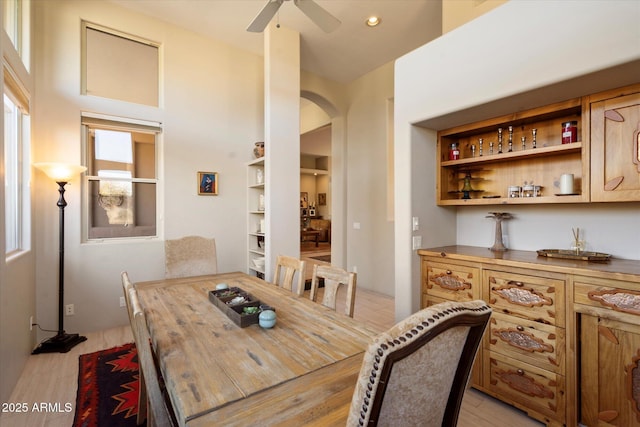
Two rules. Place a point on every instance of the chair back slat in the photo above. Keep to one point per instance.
(334, 278)
(286, 270)
(190, 256)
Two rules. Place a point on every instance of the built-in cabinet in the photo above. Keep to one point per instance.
(256, 204)
(609, 313)
(479, 162)
(615, 145)
(563, 341)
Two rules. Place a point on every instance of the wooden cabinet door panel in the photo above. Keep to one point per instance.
(615, 149)
(610, 372)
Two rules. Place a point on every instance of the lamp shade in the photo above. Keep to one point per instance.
(60, 172)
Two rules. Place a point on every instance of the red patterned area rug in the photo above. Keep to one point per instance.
(108, 388)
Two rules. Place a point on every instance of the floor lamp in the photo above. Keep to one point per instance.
(62, 342)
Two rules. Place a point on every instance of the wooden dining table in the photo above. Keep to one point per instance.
(300, 372)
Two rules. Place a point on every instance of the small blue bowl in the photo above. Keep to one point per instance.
(267, 319)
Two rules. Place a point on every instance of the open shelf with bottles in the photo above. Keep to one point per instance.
(482, 176)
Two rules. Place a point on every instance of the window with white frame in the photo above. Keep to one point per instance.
(17, 172)
(121, 176)
(16, 19)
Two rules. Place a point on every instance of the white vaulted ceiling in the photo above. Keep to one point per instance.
(343, 55)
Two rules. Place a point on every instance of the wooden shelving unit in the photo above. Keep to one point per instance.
(492, 173)
(256, 242)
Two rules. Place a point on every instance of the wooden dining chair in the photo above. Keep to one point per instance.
(159, 410)
(190, 256)
(286, 269)
(416, 373)
(142, 389)
(334, 278)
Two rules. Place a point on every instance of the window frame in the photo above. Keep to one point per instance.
(153, 93)
(16, 24)
(16, 162)
(93, 121)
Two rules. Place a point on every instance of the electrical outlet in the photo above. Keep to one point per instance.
(69, 310)
(31, 323)
(122, 302)
(417, 242)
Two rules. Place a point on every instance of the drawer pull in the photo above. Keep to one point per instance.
(524, 297)
(515, 283)
(619, 300)
(450, 281)
(523, 340)
(525, 384)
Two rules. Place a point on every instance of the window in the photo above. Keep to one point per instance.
(16, 188)
(16, 25)
(121, 178)
(119, 66)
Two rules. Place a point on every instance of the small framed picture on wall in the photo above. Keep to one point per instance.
(207, 183)
(322, 199)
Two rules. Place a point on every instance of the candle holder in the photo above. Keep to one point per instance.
(498, 246)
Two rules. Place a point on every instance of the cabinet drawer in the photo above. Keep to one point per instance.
(531, 342)
(531, 297)
(609, 295)
(534, 388)
(451, 281)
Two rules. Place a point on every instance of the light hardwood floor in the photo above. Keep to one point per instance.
(51, 378)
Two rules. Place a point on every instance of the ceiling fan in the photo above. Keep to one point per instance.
(317, 14)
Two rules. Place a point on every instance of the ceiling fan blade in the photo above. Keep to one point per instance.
(318, 15)
(263, 18)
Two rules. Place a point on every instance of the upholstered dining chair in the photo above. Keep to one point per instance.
(286, 269)
(142, 389)
(159, 410)
(190, 256)
(334, 278)
(416, 373)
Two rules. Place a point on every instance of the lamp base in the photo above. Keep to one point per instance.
(60, 343)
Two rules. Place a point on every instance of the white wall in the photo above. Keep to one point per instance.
(496, 64)
(370, 248)
(212, 113)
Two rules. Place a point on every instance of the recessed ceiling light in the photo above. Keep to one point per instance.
(373, 21)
